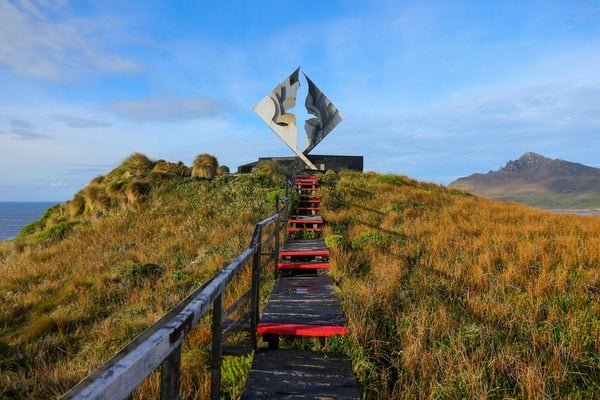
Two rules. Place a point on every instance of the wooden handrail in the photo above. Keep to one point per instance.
(161, 343)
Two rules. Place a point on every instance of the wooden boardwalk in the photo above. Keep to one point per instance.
(303, 306)
(302, 303)
(299, 374)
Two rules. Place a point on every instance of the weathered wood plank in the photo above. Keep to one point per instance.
(304, 300)
(299, 374)
(303, 265)
(313, 219)
(304, 245)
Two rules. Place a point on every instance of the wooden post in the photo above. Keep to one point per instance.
(169, 375)
(217, 344)
(254, 305)
(277, 227)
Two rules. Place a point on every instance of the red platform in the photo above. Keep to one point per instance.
(303, 265)
(300, 329)
(303, 253)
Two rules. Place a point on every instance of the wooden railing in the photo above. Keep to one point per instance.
(160, 345)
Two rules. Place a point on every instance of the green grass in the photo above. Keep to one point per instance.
(78, 286)
(447, 295)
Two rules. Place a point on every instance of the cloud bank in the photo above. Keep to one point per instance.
(170, 108)
(22, 130)
(44, 41)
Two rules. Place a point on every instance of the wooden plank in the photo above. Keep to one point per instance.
(304, 265)
(304, 253)
(308, 300)
(275, 328)
(300, 374)
(304, 244)
(304, 247)
(313, 219)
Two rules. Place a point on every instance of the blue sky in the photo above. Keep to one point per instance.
(431, 89)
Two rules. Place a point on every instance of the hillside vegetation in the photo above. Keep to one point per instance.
(451, 296)
(447, 295)
(539, 181)
(95, 272)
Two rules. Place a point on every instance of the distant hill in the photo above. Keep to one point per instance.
(539, 181)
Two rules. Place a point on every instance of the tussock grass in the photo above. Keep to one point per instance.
(76, 290)
(449, 295)
(271, 171)
(223, 170)
(205, 166)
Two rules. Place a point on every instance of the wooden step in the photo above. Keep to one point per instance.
(304, 245)
(303, 253)
(305, 219)
(307, 178)
(303, 306)
(300, 374)
(303, 265)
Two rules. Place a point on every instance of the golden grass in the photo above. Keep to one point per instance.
(223, 170)
(453, 296)
(447, 295)
(205, 166)
(70, 303)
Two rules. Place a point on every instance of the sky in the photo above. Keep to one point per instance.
(435, 90)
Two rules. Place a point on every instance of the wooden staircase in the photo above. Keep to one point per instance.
(303, 303)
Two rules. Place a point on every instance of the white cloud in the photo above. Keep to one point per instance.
(58, 184)
(77, 122)
(22, 130)
(170, 108)
(46, 43)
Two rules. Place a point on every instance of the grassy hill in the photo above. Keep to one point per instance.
(92, 274)
(447, 295)
(452, 296)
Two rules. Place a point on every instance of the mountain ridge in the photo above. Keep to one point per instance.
(539, 181)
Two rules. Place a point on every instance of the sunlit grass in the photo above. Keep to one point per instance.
(72, 297)
(453, 296)
(447, 295)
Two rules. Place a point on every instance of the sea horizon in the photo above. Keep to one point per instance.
(14, 215)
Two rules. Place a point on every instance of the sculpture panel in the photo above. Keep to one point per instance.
(273, 109)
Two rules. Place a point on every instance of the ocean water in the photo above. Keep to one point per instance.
(15, 215)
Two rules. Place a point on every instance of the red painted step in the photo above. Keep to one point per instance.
(292, 230)
(305, 221)
(304, 265)
(300, 329)
(303, 253)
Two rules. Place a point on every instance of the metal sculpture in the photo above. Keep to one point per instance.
(273, 109)
(328, 116)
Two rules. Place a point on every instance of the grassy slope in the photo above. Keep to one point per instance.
(128, 250)
(454, 296)
(447, 295)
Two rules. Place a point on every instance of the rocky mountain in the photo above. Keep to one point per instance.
(539, 181)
